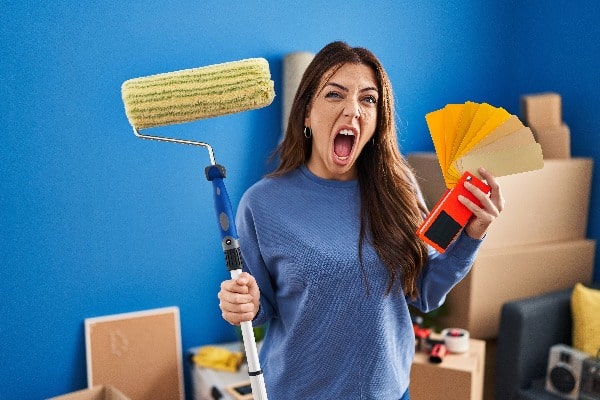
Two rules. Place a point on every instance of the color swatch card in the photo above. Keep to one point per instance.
(472, 135)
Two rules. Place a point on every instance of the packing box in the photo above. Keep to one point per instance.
(546, 205)
(541, 110)
(101, 392)
(501, 275)
(429, 175)
(457, 377)
(555, 141)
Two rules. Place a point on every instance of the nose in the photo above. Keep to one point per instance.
(352, 109)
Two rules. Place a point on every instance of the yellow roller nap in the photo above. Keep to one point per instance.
(198, 93)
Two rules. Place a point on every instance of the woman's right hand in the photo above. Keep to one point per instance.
(239, 299)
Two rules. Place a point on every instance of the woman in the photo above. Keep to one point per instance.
(329, 241)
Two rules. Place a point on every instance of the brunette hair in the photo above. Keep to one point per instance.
(390, 207)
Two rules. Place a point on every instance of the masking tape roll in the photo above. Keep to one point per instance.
(456, 340)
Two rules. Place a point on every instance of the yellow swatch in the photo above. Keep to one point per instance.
(472, 135)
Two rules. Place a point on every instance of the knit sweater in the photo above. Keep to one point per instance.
(333, 332)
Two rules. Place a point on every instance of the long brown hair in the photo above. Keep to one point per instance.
(390, 208)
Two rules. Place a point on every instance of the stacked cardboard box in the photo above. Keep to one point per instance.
(536, 245)
(542, 113)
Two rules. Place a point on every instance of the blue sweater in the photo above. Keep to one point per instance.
(328, 337)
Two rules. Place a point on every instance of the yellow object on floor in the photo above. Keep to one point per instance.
(219, 358)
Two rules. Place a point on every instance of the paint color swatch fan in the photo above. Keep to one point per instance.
(465, 137)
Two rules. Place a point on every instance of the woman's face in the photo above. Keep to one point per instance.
(343, 118)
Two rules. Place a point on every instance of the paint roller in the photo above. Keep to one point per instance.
(199, 93)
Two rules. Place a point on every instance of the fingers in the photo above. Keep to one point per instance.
(495, 191)
(491, 205)
(239, 299)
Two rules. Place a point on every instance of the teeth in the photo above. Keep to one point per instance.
(346, 132)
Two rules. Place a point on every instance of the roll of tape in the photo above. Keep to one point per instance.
(456, 340)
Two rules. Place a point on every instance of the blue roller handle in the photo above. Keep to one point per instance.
(233, 258)
(226, 222)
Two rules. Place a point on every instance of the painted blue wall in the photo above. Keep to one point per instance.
(95, 221)
(555, 47)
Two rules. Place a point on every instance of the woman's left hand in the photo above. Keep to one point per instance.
(491, 206)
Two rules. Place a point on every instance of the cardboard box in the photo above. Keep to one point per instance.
(546, 205)
(501, 275)
(429, 176)
(555, 141)
(102, 392)
(489, 376)
(458, 377)
(541, 110)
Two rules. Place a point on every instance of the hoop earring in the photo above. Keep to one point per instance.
(307, 132)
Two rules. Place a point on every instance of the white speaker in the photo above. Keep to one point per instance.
(563, 376)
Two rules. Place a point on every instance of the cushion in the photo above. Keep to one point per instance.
(585, 308)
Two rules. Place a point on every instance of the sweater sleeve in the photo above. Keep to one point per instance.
(253, 261)
(443, 271)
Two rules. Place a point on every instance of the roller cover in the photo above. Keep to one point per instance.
(198, 93)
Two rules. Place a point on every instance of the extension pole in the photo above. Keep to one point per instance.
(233, 258)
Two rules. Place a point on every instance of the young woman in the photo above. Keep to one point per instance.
(329, 242)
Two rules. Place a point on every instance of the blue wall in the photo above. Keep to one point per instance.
(95, 221)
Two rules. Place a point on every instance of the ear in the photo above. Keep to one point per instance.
(307, 117)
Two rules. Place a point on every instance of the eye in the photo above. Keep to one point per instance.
(370, 99)
(333, 95)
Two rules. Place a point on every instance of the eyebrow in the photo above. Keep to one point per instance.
(342, 87)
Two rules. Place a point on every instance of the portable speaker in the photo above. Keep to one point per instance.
(563, 376)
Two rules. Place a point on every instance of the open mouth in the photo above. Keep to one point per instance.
(344, 143)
